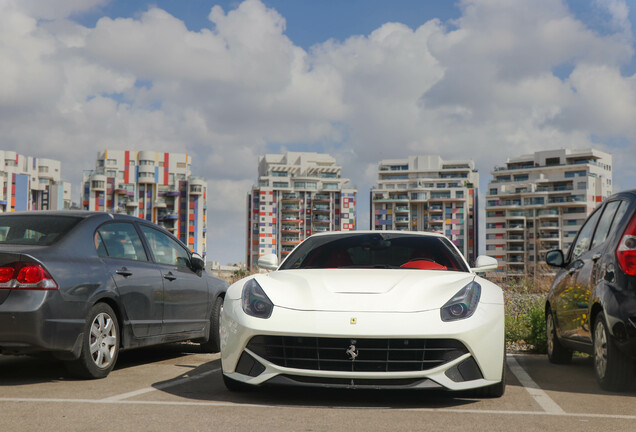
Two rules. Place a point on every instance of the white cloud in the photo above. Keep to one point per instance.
(483, 86)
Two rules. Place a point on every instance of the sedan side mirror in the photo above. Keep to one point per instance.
(484, 263)
(555, 258)
(197, 262)
(268, 262)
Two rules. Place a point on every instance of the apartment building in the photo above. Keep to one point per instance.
(31, 183)
(150, 185)
(298, 194)
(538, 202)
(427, 193)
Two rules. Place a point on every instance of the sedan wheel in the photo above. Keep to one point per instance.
(614, 370)
(100, 346)
(213, 343)
(103, 340)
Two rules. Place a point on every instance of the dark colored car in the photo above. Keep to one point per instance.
(83, 285)
(591, 306)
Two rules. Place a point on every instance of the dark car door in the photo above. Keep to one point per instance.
(566, 292)
(138, 280)
(186, 298)
(590, 271)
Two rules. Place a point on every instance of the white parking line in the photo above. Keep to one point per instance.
(165, 385)
(541, 397)
(270, 406)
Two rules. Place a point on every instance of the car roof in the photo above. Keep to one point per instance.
(345, 233)
(84, 214)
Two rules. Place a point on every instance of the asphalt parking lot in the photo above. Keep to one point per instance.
(175, 387)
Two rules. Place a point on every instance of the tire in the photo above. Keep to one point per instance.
(234, 385)
(100, 344)
(213, 344)
(614, 371)
(557, 353)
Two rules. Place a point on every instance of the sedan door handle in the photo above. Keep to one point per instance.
(124, 272)
(169, 276)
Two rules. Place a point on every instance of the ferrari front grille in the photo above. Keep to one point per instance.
(356, 355)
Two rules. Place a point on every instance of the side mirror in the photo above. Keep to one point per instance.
(484, 263)
(197, 262)
(268, 262)
(555, 258)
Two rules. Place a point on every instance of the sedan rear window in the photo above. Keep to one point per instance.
(35, 229)
(376, 251)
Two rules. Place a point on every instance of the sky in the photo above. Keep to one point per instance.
(363, 80)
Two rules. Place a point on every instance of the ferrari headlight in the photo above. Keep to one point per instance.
(463, 304)
(255, 301)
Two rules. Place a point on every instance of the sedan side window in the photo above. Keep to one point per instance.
(165, 249)
(605, 223)
(583, 241)
(119, 240)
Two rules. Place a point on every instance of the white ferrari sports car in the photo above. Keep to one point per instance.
(367, 309)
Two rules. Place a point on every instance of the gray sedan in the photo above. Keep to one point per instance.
(83, 285)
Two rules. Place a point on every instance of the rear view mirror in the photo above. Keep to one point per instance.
(555, 258)
(484, 263)
(197, 262)
(268, 262)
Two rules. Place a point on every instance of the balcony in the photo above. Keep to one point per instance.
(168, 216)
(322, 197)
(515, 227)
(290, 241)
(159, 203)
(321, 208)
(290, 218)
(290, 209)
(290, 198)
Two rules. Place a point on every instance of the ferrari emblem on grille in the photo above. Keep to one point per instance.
(352, 352)
(353, 320)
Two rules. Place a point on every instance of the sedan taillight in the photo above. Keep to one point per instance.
(626, 251)
(29, 276)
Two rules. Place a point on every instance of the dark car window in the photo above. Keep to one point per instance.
(120, 240)
(374, 251)
(165, 249)
(605, 223)
(583, 241)
(35, 229)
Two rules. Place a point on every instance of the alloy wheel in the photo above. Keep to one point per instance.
(600, 349)
(549, 325)
(103, 340)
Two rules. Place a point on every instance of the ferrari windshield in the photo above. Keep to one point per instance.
(376, 250)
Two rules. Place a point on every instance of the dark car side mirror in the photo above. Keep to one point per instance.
(555, 258)
(197, 262)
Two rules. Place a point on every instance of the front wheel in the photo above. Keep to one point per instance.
(614, 371)
(100, 344)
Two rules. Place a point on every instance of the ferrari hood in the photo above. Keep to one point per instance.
(362, 290)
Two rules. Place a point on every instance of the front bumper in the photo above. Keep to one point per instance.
(482, 335)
